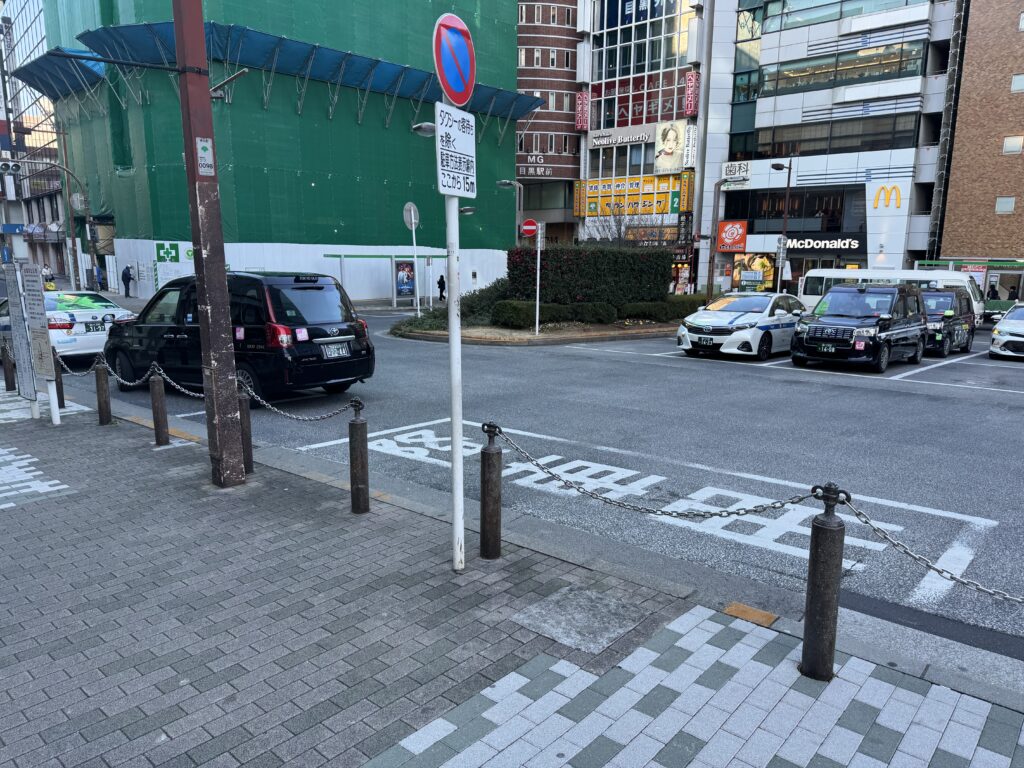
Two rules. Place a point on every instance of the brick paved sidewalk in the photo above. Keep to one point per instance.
(147, 618)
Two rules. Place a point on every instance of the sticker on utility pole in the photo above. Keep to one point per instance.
(204, 157)
(456, 151)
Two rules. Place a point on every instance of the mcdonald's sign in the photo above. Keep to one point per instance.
(889, 192)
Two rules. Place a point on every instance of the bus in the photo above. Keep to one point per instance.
(817, 282)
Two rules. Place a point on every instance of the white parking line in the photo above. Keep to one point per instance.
(916, 371)
(186, 415)
(329, 443)
(999, 365)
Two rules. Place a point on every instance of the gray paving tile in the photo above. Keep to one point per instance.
(582, 705)
(680, 750)
(859, 717)
(596, 754)
(942, 759)
(656, 701)
(809, 687)
(880, 743)
(541, 684)
(716, 676)
(671, 658)
(727, 638)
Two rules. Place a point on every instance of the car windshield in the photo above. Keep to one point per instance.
(77, 302)
(311, 304)
(854, 304)
(739, 304)
(1016, 314)
(936, 304)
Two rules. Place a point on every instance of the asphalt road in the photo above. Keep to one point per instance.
(930, 451)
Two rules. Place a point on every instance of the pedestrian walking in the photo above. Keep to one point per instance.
(47, 274)
(1013, 293)
(440, 288)
(993, 294)
(126, 278)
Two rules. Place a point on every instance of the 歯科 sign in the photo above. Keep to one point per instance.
(454, 59)
(456, 151)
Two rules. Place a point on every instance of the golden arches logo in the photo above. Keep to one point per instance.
(889, 192)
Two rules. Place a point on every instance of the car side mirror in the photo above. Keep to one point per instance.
(949, 313)
(701, 308)
(996, 318)
(780, 313)
(886, 317)
(798, 313)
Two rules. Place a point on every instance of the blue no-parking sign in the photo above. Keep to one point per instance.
(454, 59)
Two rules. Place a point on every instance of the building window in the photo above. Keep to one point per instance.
(863, 134)
(536, 143)
(565, 144)
(554, 14)
(884, 62)
(536, 57)
(54, 212)
(812, 210)
(522, 14)
(568, 18)
(521, 140)
(1013, 145)
(552, 58)
(551, 100)
(537, 17)
(567, 103)
(1020, 22)
(1017, 84)
(791, 15)
(551, 143)
(1005, 204)
(522, 57)
(568, 60)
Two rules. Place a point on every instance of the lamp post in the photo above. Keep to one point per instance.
(513, 184)
(783, 238)
(716, 202)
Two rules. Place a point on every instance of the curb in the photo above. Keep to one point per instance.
(442, 336)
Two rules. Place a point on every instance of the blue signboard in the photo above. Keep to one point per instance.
(405, 280)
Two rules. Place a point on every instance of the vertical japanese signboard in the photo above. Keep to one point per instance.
(35, 316)
(456, 151)
(691, 99)
(583, 111)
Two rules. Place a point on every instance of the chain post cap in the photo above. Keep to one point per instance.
(357, 406)
(492, 430)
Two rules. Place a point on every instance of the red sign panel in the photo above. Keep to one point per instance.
(529, 228)
(691, 100)
(454, 59)
(583, 111)
(732, 236)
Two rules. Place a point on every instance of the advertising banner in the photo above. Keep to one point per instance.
(635, 195)
(732, 236)
(753, 272)
(686, 191)
(405, 279)
(35, 318)
(668, 148)
(583, 111)
(691, 100)
(690, 146)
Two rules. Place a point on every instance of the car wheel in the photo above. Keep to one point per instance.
(882, 363)
(125, 370)
(947, 346)
(247, 380)
(915, 358)
(799, 362)
(691, 353)
(764, 347)
(337, 389)
(969, 343)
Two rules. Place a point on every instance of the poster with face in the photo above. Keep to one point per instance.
(668, 148)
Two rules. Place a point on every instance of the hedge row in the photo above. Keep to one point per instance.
(591, 274)
(522, 314)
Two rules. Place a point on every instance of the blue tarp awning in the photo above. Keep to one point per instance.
(243, 47)
(57, 77)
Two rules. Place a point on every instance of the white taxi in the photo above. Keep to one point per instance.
(749, 324)
(1008, 335)
(78, 321)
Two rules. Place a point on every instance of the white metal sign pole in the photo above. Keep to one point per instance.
(536, 324)
(415, 268)
(451, 220)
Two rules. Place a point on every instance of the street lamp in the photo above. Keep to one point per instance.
(467, 210)
(783, 239)
(513, 184)
(426, 130)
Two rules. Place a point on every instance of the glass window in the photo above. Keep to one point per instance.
(522, 14)
(1006, 204)
(565, 144)
(566, 102)
(521, 142)
(1020, 22)
(552, 58)
(620, 161)
(595, 164)
(806, 16)
(164, 309)
(748, 56)
(800, 140)
(551, 143)
(554, 14)
(648, 159)
(640, 57)
(551, 100)
(743, 116)
(1017, 84)
(310, 304)
(625, 53)
(537, 17)
(741, 146)
(568, 17)
(607, 162)
(522, 57)
(636, 156)
(611, 62)
(748, 24)
(1012, 145)
(745, 86)
(536, 57)
(654, 55)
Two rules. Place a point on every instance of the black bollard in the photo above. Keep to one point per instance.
(245, 419)
(824, 571)
(490, 495)
(58, 374)
(359, 461)
(103, 396)
(159, 402)
(10, 383)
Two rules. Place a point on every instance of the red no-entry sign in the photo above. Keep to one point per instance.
(529, 228)
(454, 59)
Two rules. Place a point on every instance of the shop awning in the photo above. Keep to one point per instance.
(56, 76)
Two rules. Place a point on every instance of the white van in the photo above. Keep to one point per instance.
(817, 282)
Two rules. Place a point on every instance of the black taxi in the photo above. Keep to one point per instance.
(951, 320)
(865, 324)
(291, 331)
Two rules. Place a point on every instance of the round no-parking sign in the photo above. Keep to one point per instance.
(454, 59)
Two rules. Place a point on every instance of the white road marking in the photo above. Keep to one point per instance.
(932, 588)
(776, 362)
(1013, 366)
(329, 443)
(175, 443)
(915, 371)
(186, 415)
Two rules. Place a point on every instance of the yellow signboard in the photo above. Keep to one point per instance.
(686, 193)
(633, 196)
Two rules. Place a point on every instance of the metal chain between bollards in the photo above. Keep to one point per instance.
(922, 560)
(121, 381)
(93, 367)
(681, 515)
(293, 416)
(188, 393)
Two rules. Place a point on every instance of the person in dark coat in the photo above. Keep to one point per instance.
(440, 288)
(1013, 293)
(126, 278)
(993, 293)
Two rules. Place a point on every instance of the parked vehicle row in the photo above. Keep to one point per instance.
(863, 324)
(1008, 335)
(78, 321)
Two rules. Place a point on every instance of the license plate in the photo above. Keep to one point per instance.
(95, 327)
(828, 347)
(334, 351)
(705, 341)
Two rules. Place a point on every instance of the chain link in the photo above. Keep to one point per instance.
(293, 416)
(922, 560)
(95, 364)
(681, 515)
(188, 393)
(130, 384)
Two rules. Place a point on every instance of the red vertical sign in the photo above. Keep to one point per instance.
(691, 100)
(583, 111)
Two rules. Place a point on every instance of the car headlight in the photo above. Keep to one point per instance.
(934, 326)
(997, 332)
(744, 327)
(801, 328)
(865, 331)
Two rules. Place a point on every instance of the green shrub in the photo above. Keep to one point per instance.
(591, 274)
(522, 314)
(659, 311)
(475, 307)
(431, 320)
(593, 312)
(686, 305)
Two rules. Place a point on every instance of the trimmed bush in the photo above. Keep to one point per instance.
(659, 311)
(593, 312)
(687, 304)
(591, 274)
(475, 307)
(521, 314)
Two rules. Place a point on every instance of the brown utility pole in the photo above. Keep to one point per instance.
(222, 419)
